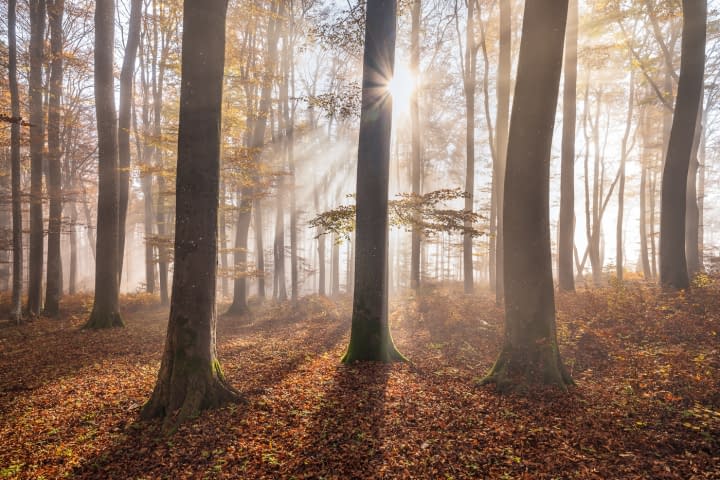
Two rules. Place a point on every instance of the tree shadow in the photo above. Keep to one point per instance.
(345, 437)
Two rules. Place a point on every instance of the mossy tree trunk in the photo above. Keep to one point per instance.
(190, 377)
(370, 337)
(105, 312)
(530, 353)
(673, 263)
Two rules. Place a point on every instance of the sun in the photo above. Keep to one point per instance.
(401, 87)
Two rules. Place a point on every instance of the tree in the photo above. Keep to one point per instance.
(566, 225)
(416, 168)
(673, 264)
(370, 337)
(105, 312)
(37, 141)
(530, 352)
(53, 290)
(126, 95)
(190, 377)
(16, 307)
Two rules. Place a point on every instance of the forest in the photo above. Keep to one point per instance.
(359, 239)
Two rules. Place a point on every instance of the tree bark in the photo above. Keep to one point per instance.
(621, 186)
(239, 304)
(673, 263)
(105, 312)
(416, 162)
(190, 377)
(126, 96)
(370, 338)
(53, 286)
(37, 140)
(530, 353)
(15, 166)
(469, 84)
(692, 217)
(566, 225)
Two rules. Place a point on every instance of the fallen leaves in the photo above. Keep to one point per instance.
(647, 404)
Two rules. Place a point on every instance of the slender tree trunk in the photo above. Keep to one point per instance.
(469, 83)
(126, 96)
(335, 285)
(621, 186)
(223, 240)
(653, 216)
(239, 304)
(72, 282)
(279, 250)
(416, 163)
(647, 272)
(701, 195)
(190, 377)
(503, 114)
(105, 312)
(530, 352)
(566, 225)
(259, 248)
(53, 291)
(37, 140)
(692, 216)
(15, 166)
(370, 337)
(673, 264)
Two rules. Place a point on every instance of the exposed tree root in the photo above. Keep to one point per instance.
(100, 320)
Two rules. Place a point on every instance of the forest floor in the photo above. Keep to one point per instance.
(646, 403)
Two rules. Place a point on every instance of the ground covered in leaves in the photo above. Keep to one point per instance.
(646, 404)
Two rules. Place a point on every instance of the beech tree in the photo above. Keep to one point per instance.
(105, 313)
(673, 263)
(17, 240)
(37, 142)
(530, 352)
(190, 377)
(370, 337)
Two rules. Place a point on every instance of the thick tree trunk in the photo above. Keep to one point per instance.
(15, 166)
(190, 377)
(53, 286)
(105, 313)
(530, 353)
(673, 264)
(126, 96)
(370, 337)
(566, 225)
(416, 162)
(37, 140)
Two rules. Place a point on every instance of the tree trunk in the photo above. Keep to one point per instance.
(673, 264)
(239, 304)
(72, 282)
(37, 139)
(416, 162)
(15, 166)
(530, 353)
(621, 186)
(469, 83)
(692, 217)
(335, 259)
(370, 337)
(53, 286)
(190, 377)
(259, 248)
(647, 272)
(279, 250)
(126, 96)
(503, 114)
(566, 225)
(105, 313)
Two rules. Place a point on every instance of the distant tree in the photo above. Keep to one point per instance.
(530, 352)
(673, 264)
(370, 337)
(37, 142)
(190, 377)
(566, 225)
(17, 232)
(53, 290)
(105, 313)
(416, 165)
